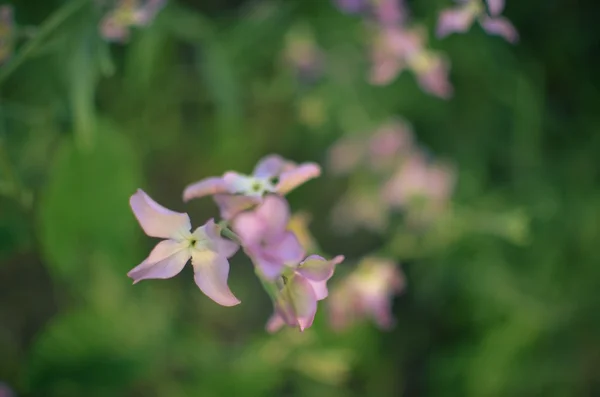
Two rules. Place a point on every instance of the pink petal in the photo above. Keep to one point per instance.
(210, 273)
(166, 268)
(457, 20)
(304, 301)
(274, 213)
(317, 268)
(205, 187)
(435, 81)
(320, 289)
(270, 267)
(495, 7)
(231, 205)
(500, 27)
(275, 323)
(164, 249)
(237, 183)
(156, 220)
(223, 246)
(250, 227)
(287, 249)
(293, 178)
(269, 166)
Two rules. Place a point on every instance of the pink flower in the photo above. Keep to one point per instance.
(418, 180)
(397, 49)
(265, 238)
(390, 12)
(346, 155)
(128, 13)
(206, 248)
(459, 19)
(388, 143)
(366, 292)
(296, 304)
(236, 192)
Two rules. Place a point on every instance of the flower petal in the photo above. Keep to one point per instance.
(166, 248)
(231, 205)
(304, 301)
(158, 221)
(274, 212)
(210, 273)
(495, 7)
(317, 268)
(224, 247)
(250, 227)
(165, 268)
(320, 289)
(275, 323)
(457, 20)
(287, 249)
(205, 187)
(238, 183)
(269, 166)
(270, 267)
(293, 178)
(500, 27)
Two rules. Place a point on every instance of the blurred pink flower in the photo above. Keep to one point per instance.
(265, 238)
(366, 292)
(459, 19)
(236, 192)
(418, 180)
(397, 49)
(346, 155)
(5, 391)
(207, 249)
(7, 32)
(388, 143)
(129, 13)
(390, 12)
(296, 304)
(360, 209)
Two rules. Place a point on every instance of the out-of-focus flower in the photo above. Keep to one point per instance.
(129, 13)
(352, 6)
(303, 55)
(396, 49)
(366, 292)
(296, 304)
(389, 142)
(459, 19)
(390, 12)
(265, 238)
(7, 33)
(5, 391)
(418, 181)
(207, 249)
(360, 209)
(236, 192)
(346, 155)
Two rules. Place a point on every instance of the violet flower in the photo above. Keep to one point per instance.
(296, 303)
(366, 292)
(129, 13)
(206, 248)
(265, 238)
(460, 19)
(235, 192)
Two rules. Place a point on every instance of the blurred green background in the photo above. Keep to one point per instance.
(207, 88)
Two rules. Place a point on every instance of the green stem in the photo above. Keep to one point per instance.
(226, 232)
(269, 287)
(53, 22)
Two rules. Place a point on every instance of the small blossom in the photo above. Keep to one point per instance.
(236, 192)
(206, 248)
(460, 19)
(296, 304)
(390, 12)
(7, 33)
(396, 49)
(264, 235)
(366, 292)
(129, 13)
(420, 181)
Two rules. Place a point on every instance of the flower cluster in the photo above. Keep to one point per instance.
(460, 18)
(258, 214)
(389, 172)
(398, 45)
(126, 14)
